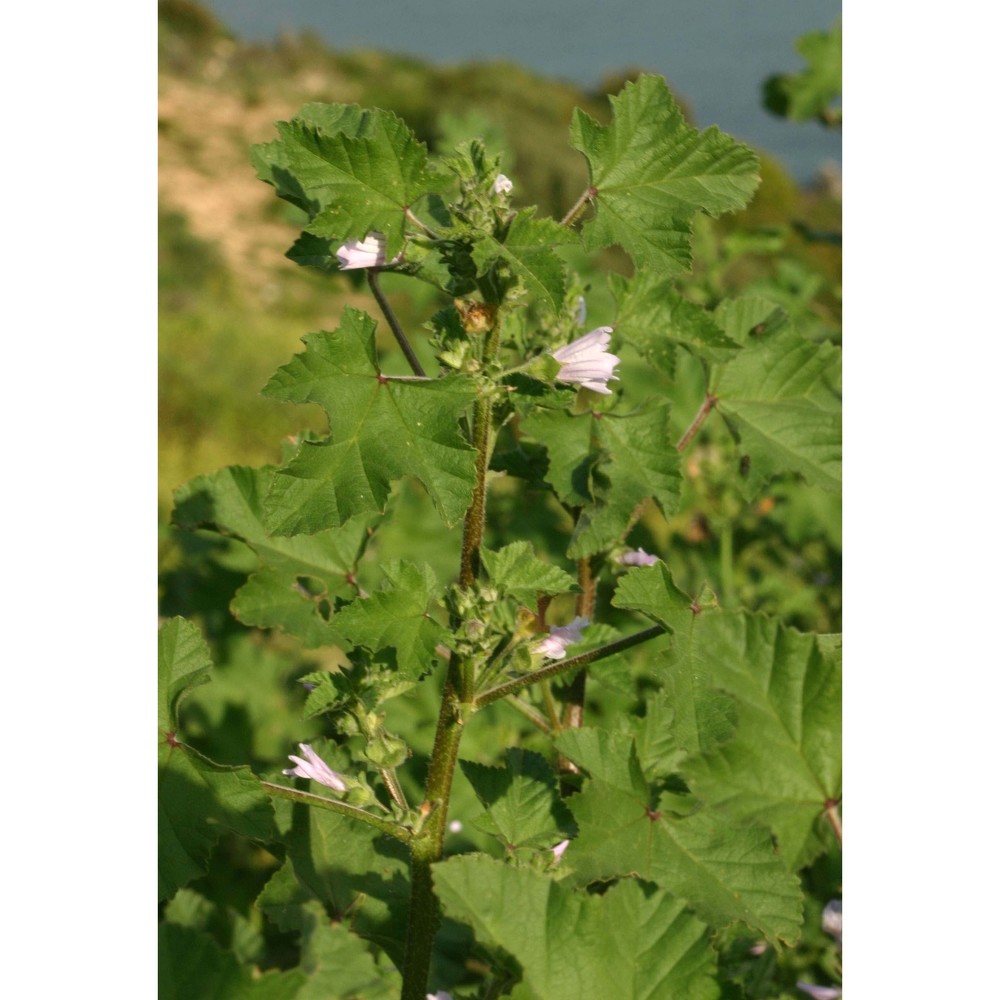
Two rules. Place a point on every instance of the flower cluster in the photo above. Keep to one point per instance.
(586, 361)
(560, 636)
(503, 185)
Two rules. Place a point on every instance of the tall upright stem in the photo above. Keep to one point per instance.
(475, 516)
(428, 845)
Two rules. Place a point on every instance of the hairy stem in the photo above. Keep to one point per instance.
(699, 418)
(427, 846)
(321, 802)
(475, 517)
(562, 666)
(390, 318)
(574, 213)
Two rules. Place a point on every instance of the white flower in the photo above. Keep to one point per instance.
(580, 312)
(503, 185)
(833, 919)
(316, 768)
(820, 992)
(440, 995)
(639, 557)
(455, 826)
(586, 361)
(560, 636)
(370, 252)
(557, 851)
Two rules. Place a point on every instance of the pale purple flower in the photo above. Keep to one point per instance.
(586, 361)
(455, 826)
(833, 919)
(503, 185)
(638, 557)
(560, 636)
(559, 849)
(316, 768)
(820, 992)
(369, 252)
(440, 995)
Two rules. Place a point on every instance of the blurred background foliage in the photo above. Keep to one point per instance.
(233, 309)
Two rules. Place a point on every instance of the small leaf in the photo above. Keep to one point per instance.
(517, 572)
(397, 617)
(526, 248)
(521, 799)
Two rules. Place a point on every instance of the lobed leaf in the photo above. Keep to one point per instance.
(515, 570)
(652, 173)
(381, 428)
(631, 943)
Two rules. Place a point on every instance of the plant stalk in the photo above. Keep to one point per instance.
(321, 802)
(390, 318)
(834, 818)
(699, 418)
(475, 516)
(562, 666)
(427, 846)
(574, 213)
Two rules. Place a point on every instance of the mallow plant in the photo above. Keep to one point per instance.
(656, 768)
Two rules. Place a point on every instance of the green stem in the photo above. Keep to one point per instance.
(475, 517)
(390, 318)
(427, 847)
(321, 802)
(562, 666)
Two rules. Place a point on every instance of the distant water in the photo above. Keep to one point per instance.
(714, 53)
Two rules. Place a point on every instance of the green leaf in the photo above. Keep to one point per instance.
(638, 464)
(353, 181)
(397, 617)
(608, 464)
(652, 173)
(517, 572)
(339, 963)
(521, 799)
(780, 398)
(654, 317)
(184, 663)
(349, 867)
(812, 93)
(526, 247)
(630, 943)
(783, 763)
(191, 966)
(198, 799)
(381, 428)
(725, 873)
(301, 578)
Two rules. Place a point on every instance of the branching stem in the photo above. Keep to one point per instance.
(390, 318)
(321, 802)
(562, 666)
